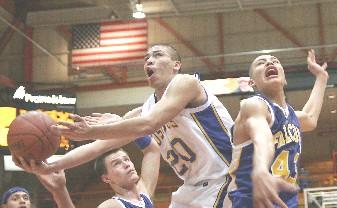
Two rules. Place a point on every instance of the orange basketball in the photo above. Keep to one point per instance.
(29, 136)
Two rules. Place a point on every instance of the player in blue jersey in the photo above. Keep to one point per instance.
(131, 191)
(267, 136)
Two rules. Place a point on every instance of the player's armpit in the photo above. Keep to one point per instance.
(110, 203)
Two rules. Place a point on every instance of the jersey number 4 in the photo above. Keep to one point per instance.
(280, 166)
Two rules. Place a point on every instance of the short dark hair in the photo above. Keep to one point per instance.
(99, 165)
(173, 52)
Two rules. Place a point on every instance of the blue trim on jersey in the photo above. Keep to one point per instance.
(147, 201)
(215, 132)
(143, 142)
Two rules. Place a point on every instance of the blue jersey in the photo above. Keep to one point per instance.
(144, 203)
(285, 128)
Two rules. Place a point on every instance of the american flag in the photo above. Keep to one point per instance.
(108, 43)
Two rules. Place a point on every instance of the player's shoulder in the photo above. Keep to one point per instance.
(186, 78)
(110, 203)
(252, 105)
(184, 82)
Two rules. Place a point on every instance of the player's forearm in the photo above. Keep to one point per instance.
(264, 148)
(150, 167)
(62, 198)
(84, 154)
(126, 130)
(314, 104)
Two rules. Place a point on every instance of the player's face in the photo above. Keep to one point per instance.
(267, 73)
(120, 169)
(18, 200)
(159, 66)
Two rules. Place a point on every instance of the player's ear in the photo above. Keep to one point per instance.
(177, 66)
(105, 179)
(251, 83)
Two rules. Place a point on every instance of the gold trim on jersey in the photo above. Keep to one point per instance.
(216, 203)
(237, 152)
(219, 120)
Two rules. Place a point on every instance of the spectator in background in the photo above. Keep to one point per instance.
(55, 183)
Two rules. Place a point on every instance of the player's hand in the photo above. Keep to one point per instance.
(102, 118)
(33, 166)
(79, 130)
(266, 188)
(315, 68)
(54, 181)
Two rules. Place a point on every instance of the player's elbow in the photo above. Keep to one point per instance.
(311, 125)
(149, 126)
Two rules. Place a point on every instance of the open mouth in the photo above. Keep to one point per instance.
(271, 71)
(131, 171)
(149, 72)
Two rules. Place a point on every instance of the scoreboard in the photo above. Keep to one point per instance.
(57, 106)
(8, 114)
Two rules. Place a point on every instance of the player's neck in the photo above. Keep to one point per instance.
(277, 97)
(160, 90)
(129, 194)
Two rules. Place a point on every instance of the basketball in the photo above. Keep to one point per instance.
(29, 136)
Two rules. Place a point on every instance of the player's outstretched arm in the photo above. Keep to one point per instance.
(183, 90)
(309, 115)
(55, 183)
(82, 154)
(150, 168)
(75, 157)
(254, 121)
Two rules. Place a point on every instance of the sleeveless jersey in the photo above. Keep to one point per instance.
(196, 143)
(285, 128)
(144, 203)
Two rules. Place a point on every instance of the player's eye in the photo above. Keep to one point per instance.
(157, 54)
(260, 63)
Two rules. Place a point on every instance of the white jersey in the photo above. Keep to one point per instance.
(196, 143)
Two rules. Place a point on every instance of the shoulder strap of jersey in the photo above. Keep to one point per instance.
(269, 105)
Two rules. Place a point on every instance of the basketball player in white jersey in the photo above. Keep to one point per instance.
(188, 122)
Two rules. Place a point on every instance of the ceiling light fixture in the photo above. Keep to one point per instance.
(331, 96)
(333, 111)
(137, 8)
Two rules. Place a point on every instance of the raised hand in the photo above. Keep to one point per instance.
(54, 181)
(79, 130)
(33, 166)
(314, 67)
(266, 188)
(102, 118)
